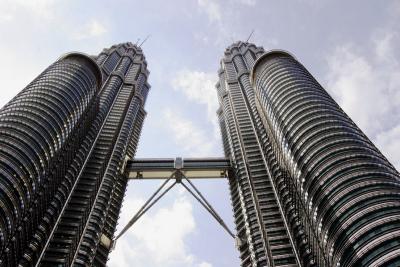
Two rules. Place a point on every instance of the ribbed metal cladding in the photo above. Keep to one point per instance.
(343, 191)
(39, 132)
(64, 142)
(260, 222)
(86, 225)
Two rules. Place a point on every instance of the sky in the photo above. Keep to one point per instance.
(351, 47)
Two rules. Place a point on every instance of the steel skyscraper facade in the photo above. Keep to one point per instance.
(309, 188)
(65, 140)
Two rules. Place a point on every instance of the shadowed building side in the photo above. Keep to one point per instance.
(86, 226)
(308, 188)
(343, 190)
(64, 142)
(40, 131)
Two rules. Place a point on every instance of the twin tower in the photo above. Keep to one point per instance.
(308, 188)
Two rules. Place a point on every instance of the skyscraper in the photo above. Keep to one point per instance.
(309, 188)
(64, 141)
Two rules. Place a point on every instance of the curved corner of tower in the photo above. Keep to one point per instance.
(273, 53)
(87, 60)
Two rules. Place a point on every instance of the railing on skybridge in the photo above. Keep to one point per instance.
(191, 168)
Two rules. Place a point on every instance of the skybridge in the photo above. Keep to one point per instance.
(189, 168)
(177, 171)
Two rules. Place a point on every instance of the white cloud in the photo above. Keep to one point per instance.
(6, 17)
(193, 141)
(385, 43)
(389, 142)
(157, 238)
(12, 81)
(199, 87)
(211, 8)
(10, 9)
(23, 22)
(93, 28)
(248, 2)
(39, 7)
(205, 264)
(367, 88)
(220, 19)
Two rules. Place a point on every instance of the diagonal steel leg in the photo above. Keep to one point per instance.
(208, 207)
(146, 207)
